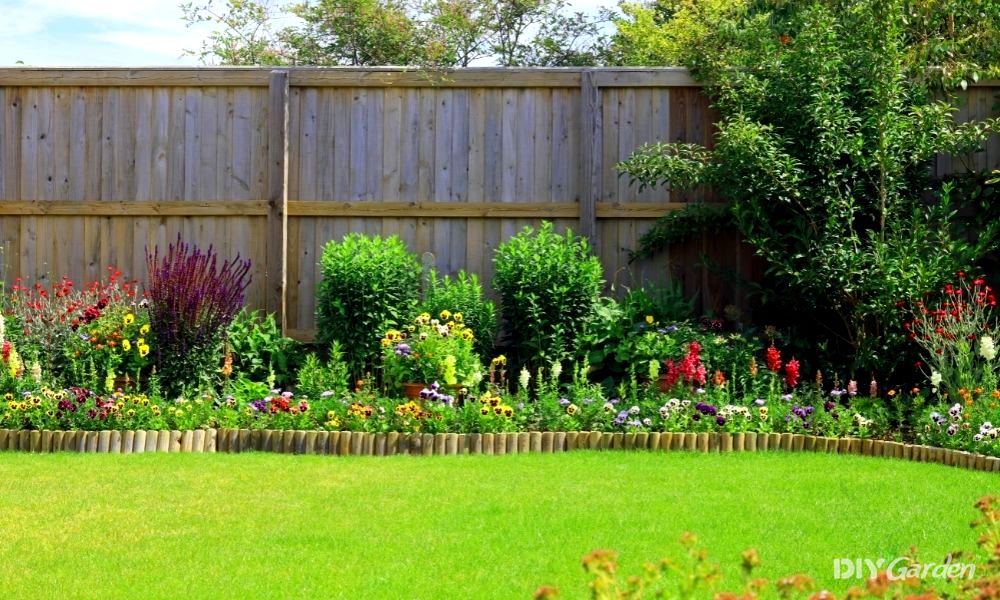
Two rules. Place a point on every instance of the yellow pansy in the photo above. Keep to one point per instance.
(129, 319)
(126, 345)
(144, 329)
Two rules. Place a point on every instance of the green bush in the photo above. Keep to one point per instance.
(823, 150)
(369, 284)
(464, 295)
(548, 285)
(316, 378)
(257, 348)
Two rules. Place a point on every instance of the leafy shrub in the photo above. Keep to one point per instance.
(317, 379)
(548, 285)
(464, 295)
(823, 150)
(257, 348)
(369, 285)
(192, 301)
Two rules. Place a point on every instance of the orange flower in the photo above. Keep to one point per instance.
(892, 393)
(915, 390)
(996, 394)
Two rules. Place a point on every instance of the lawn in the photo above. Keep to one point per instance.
(255, 525)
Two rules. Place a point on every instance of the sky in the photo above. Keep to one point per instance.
(126, 33)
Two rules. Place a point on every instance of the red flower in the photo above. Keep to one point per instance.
(6, 351)
(792, 373)
(773, 359)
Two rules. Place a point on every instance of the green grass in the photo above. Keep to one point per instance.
(256, 525)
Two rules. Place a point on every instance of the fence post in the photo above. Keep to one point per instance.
(592, 176)
(276, 267)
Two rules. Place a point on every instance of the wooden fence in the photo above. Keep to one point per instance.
(96, 165)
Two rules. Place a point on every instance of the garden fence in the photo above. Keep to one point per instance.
(96, 165)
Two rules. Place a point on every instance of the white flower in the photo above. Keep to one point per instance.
(524, 378)
(36, 372)
(986, 348)
(935, 380)
(556, 371)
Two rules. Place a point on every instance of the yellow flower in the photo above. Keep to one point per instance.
(144, 329)
(129, 319)
(179, 414)
(457, 317)
(649, 319)
(445, 315)
(143, 351)
(126, 345)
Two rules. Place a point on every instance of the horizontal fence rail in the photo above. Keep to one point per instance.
(97, 165)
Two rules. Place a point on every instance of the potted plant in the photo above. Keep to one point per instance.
(431, 351)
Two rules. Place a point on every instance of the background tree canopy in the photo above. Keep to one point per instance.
(446, 33)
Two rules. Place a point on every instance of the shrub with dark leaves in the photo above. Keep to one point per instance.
(192, 301)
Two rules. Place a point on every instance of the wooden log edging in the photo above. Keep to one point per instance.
(347, 443)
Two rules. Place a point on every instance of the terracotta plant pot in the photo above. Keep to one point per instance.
(412, 390)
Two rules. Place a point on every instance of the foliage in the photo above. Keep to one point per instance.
(432, 351)
(434, 33)
(316, 378)
(256, 348)
(463, 295)
(679, 226)
(369, 284)
(666, 32)
(357, 32)
(192, 301)
(41, 322)
(960, 41)
(957, 332)
(548, 285)
(117, 343)
(822, 150)
(245, 34)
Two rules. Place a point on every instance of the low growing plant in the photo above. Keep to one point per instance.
(256, 348)
(431, 350)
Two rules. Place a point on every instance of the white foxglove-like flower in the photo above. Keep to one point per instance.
(986, 348)
(524, 378)
(935, 380)
(556, 371)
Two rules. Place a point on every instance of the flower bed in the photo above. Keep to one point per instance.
(347, 443)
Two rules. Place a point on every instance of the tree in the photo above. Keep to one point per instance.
(666, 32)
(823, 150)
(245, 33)
(357, 32)
(398, 32)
